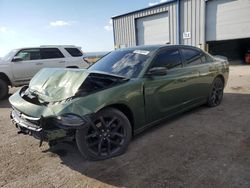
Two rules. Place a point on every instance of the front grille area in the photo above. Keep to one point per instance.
(21, 120)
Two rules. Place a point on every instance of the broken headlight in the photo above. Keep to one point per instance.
(70, 120)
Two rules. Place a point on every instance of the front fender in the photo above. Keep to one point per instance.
(28, 108)
(129, 94)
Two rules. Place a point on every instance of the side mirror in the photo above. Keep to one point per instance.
(157, 71)
(17, 59)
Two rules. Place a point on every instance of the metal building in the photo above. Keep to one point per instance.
(208, 24)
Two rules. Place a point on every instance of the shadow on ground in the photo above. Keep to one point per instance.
(206, 147)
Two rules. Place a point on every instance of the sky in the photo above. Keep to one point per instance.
(85, 23)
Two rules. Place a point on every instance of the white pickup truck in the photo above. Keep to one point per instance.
(20, 65)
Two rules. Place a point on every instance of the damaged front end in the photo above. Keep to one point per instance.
(49, 108)
(35, 127)
(48, 129)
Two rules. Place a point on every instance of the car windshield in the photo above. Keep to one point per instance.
(127, 63)
(9, 55)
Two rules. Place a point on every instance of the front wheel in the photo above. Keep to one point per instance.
(216, 93)
(108, 135)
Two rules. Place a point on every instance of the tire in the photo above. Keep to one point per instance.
(216, 93)
(4, 89)
(107, 136)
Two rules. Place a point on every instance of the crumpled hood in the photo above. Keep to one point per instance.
(55, 84)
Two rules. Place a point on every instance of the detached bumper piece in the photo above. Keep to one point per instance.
(35, 127)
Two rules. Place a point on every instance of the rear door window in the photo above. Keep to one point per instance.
(74, 52)
(169, 58)
(51, 53)
(191, 57)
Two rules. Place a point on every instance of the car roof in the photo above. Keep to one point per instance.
(58, 46)
(49, 46)
(156, 47)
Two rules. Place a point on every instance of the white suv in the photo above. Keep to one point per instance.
(20, 65)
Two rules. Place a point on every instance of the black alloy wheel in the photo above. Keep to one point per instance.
(216, 93)
(107, 136)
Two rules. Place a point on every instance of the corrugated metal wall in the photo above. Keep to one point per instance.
(192, 19)
(125, 26)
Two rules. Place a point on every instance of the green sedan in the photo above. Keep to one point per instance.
(125, 92)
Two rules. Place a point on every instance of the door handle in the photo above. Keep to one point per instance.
(39, 63)
(61, 61)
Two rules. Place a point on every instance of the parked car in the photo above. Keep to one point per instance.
(20, 65)
(122, 94)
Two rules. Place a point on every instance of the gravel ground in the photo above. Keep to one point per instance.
(206, 147)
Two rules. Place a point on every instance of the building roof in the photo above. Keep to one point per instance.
(160, 4)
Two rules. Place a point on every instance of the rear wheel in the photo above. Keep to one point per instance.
(4, 89)
(107, 136)
(216, 93)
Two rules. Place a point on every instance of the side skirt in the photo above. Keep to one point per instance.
(147, 126)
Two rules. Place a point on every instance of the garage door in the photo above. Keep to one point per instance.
(227, 19)
(153, 29)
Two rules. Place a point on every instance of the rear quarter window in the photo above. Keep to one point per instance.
(209, 58)
(74, 52)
